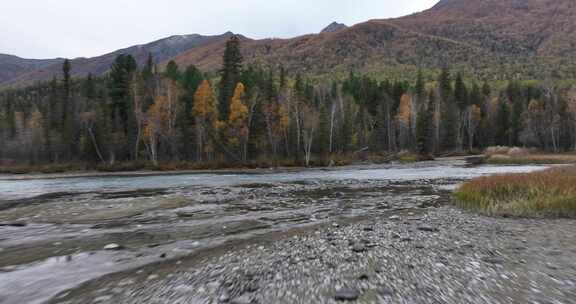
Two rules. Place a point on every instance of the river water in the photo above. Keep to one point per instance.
(17, 189)
(55, 229)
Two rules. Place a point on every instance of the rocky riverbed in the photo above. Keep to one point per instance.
(441, 255)
(376, 235)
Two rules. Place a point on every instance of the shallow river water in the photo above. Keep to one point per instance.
(53, 231)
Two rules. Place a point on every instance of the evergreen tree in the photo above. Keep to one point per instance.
(121, 107)
(230, 75)
(460, 93)
(67, 124)
(424, 137)
(323, 131)
(172, 70)
(514, 93)
(420, 90)
(503, 124)
(191, 80)
(148, 70)
(449, 111)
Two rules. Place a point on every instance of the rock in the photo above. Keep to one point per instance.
(363, 277)
(428, 229)
(163, 256)
(13, 224)
(113, 246)
(346, 294)
(358, 248)
(339, 194)
(224, 297)
(493, 260)
(394, 217)
(368, 228)
(243, 299)
(385, 291)
(335, 225)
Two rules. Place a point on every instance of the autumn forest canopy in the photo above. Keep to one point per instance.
(248, 114)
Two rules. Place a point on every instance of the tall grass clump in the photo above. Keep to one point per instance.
(548, 193)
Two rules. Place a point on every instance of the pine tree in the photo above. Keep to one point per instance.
(448, 111)
(121, 106)
(420, 90)
(67, 123)
(230, 75)
(148, 70)
(190, 80)
(323, 131)
(460, 93)
(424, 136)
(172, 70)
(503, 124)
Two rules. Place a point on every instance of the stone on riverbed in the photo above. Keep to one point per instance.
(113, 246)
(346, 294)
(14, 224)
(428, 229)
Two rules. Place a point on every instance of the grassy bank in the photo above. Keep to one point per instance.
(536, 159)
(548, 193)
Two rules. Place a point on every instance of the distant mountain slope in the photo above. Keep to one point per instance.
(161, 50)
(475, 33)
(478, 34)
(12, 66)
(511, 27)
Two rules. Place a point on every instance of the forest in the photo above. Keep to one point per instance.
(247, 115)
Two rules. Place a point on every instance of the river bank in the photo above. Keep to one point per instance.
(59, 233)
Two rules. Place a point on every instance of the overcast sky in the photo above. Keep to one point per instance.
(75, 28)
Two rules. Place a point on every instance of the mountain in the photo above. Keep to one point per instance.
(528, 37)
(161, 50)
(12, 66)
(511, 27)
(531, 35)
(334, 27)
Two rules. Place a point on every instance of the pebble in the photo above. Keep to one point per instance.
(428, 229)
(113, 246)
(346, 294)
(243, 299)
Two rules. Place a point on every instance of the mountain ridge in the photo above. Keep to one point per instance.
(478, 34)
(161, 50)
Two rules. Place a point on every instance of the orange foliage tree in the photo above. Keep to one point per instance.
(238, 121)
(206, 117)
(405, 119)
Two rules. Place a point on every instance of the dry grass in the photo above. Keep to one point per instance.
(533, 158)
(548, 193)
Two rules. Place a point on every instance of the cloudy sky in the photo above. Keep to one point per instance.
(74, 28)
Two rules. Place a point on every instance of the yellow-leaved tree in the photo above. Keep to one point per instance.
(206, 117)
(238, 121)
(405, 119)
(160, 122)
